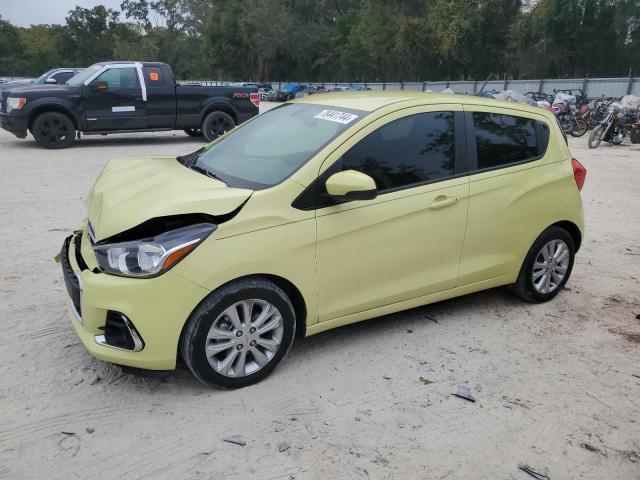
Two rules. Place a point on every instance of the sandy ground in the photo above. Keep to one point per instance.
(557, 385)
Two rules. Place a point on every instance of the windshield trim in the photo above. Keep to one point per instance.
(237, 182)
(81, 75)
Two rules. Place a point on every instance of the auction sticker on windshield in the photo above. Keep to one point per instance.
(336, 116)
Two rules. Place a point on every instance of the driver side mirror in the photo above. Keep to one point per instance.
(51, 81)
(99, 86)
(351, 185)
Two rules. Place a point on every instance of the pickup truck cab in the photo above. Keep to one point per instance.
(124, 97)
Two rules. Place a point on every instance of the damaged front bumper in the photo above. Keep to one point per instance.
(126, 321)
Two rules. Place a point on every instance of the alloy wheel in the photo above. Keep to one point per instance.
(54, 131)
(550, 267)
(244, 338)
(219, 125)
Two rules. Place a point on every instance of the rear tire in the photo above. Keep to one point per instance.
(595, 138)
(228, 343)
(216, 124)
(634, 136)
(580, 128)
(551, 254)
(53, 130)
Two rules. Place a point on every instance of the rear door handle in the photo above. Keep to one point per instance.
(443, 201)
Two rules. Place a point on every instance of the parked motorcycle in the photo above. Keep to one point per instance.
(615, 127)
(634, 134)
(571, 123)
(596, 114)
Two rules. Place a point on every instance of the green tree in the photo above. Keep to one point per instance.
(91, 32)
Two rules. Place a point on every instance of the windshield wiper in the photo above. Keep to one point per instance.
(206, 172)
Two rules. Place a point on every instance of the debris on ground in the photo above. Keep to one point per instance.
(464, 393)
(537, 475)
(425, 381)
(427, 317)
(90, 430)
(591, 448)
(235, 439)
(284, 446)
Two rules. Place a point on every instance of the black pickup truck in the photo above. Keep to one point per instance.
(123, 97)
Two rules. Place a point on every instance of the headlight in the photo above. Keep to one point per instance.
(152, 256)
(14, 103)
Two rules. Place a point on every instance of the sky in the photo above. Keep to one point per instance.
(27, 12)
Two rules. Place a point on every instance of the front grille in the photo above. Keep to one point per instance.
(71, 281)
(3, 101)
(77, 241)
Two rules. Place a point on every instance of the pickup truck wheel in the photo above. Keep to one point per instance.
(53, 130)
(193, 132)
(216, 124)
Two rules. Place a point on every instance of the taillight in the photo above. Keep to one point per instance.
(255, 98)
(579, 173)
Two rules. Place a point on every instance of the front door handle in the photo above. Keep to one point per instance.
(443, 201)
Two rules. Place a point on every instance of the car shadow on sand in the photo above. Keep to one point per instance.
(328, 344)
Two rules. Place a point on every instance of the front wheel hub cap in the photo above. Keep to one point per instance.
(231, 350)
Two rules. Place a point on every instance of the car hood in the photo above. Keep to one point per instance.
(130, 191)
(14, 84)
(41, 90)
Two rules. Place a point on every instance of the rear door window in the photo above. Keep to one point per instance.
(154, 77)
(503, 140)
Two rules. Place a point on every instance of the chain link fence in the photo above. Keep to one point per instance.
(592, 87)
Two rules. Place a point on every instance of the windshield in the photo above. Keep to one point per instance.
(275, 144)
(83, 75)
(40, 80)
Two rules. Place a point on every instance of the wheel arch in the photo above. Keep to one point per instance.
(39, 110)
(294, 294)
(219, 107)
(572, 229)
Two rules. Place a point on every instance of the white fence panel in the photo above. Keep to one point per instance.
(595, 87)
(607, 87)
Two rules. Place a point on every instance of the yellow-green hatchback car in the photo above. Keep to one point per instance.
(324, 211)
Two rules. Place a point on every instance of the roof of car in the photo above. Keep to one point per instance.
(373, 100)
(132, 62)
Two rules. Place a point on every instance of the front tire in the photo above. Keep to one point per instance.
(216, 124)
(53, 130)
(547, 266)
(595, 138)
(237, 336)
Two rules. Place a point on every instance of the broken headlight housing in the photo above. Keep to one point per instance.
(151, 256)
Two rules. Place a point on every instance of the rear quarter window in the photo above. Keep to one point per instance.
(503, 140)
(154, 77)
